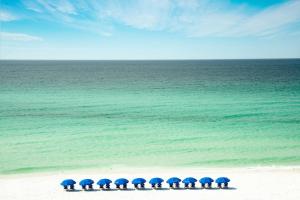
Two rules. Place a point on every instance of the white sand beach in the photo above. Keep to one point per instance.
(246, 183)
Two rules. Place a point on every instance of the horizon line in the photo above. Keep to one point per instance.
(166, 59)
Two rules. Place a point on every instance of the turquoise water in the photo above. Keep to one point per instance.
(57, 115)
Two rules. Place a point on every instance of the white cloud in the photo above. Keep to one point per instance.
(61, 6)
(6, 16)
(150, 14)
(270, 20)
(195, 18)
(204, 18)
(18, 37)
(32, 6)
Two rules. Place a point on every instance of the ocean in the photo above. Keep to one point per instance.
(60, 115)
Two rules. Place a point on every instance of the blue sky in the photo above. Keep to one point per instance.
(149, 29)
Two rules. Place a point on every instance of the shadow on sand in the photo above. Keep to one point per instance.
(230, 188)
(75, 190)
(144, 189)
(127, 190)
(215, 188)
(90, 190)
(115, 190)
(149, 189)
(176, 189)
(160, 189)
(195, 188)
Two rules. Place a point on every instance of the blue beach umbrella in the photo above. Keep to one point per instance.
(222, 180)
(206, 180)
(156, 182)
(121, 181)
(86, 182)
(174, 180)
(138, 181)
(189, 181)
(68, 182)
(104, 182)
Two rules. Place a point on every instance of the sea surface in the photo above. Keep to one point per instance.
(59, 115)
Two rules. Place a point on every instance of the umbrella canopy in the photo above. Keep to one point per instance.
(222, 180)
(189, 180)
(85, 182)
(205, 180)
(68, 182)
(104, 181)
(137, 181)
(173, 180)
(156, 180)
(121, 181)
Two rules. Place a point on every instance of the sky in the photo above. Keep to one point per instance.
(149, 29)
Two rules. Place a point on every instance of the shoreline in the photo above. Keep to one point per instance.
(124, 169)
(246, 183)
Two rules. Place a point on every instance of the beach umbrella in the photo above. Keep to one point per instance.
(104, 182)
(222, 180)
(138, 181)
(156, 182)
(86, 182)
(174, 180)
(206, 180)
(189, 181)
(68, 182)
(121, 181)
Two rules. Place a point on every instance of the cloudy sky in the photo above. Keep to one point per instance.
(149, 29)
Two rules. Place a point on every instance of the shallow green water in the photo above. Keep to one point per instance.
(56, 115)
